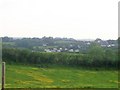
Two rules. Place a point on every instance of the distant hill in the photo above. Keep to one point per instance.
(50, 44)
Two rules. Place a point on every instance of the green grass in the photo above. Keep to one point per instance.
(21, 76)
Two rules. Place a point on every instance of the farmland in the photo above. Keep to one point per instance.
(67, 64)
(28, 76)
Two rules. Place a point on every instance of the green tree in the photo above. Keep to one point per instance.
(96, 54)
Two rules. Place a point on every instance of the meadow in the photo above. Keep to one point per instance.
(27, 76)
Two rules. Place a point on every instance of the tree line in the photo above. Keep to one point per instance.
(95, 57)
(40, 44)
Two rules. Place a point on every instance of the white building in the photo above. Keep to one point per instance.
(71, 50)
(76, 50)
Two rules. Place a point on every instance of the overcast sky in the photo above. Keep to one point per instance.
(79, 19)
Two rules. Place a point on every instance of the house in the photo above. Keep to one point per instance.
(71, 50)
(47, 50)
(77, 50)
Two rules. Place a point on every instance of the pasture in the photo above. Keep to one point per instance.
(25, 76)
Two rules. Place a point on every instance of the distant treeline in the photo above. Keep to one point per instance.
(96, 57)
(46, 44)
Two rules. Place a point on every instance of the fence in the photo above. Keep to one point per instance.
(3, 75)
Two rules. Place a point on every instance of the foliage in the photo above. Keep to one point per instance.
(50, 43)
(96, 57)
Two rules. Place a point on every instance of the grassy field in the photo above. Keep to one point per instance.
(21, 76)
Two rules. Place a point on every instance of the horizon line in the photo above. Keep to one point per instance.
(58, 37)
